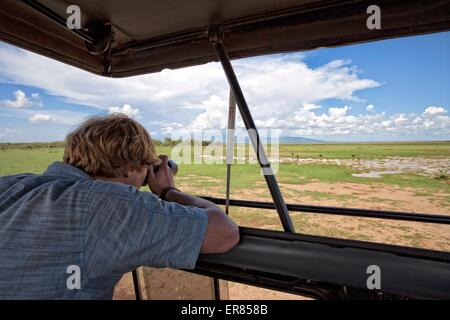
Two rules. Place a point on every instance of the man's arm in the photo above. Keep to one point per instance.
(222, 233)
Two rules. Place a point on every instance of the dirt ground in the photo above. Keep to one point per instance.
(426, 166)
(167, 284)
(351, 195)
(371, 197)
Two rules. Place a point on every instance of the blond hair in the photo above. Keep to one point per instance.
(109, 146)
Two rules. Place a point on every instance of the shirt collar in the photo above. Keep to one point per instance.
(65, 170)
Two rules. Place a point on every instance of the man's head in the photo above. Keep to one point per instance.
(113, 147)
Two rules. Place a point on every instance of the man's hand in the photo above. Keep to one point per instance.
(162, 178)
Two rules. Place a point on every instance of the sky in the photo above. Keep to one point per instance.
(390, 90)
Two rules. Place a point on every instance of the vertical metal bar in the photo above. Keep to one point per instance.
(253, 133)
(229, 157)
(230, 146)
(137, 290)
(216, 289)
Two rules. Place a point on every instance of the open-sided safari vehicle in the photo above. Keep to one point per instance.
(126, 38)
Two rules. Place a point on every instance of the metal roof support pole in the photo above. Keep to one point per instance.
(215, 39)
(229, 157)
(230, 146)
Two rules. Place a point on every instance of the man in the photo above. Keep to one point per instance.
(72, 232)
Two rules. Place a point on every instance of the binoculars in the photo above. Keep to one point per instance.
(171, 164)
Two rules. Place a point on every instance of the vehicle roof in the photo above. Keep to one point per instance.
(150, 35)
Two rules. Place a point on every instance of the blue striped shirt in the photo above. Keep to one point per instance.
(64, 218)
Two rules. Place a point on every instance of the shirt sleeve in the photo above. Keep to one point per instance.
(122, 234)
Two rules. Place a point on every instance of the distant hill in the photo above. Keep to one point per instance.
(294, 140)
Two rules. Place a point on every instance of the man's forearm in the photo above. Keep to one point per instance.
(222, 233)
(188, 200)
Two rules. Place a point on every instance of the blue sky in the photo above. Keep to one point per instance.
(415, 70)
(394, 89)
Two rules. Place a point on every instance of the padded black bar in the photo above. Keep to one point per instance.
(405, 272)
(354, 212)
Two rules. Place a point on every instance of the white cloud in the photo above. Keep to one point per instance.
(41, 118)
(61, 117)
(337, 113)
(337, 122)
(126, 109)
(310, 106)
(270, 83)
(434, 111)
(167, 127)
(167, 88)
(22, 101)
(282, 91)
(275, 88)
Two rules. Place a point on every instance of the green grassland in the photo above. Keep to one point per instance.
(34, 158)
(248, 183)
(366, 150)
(373, 150)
